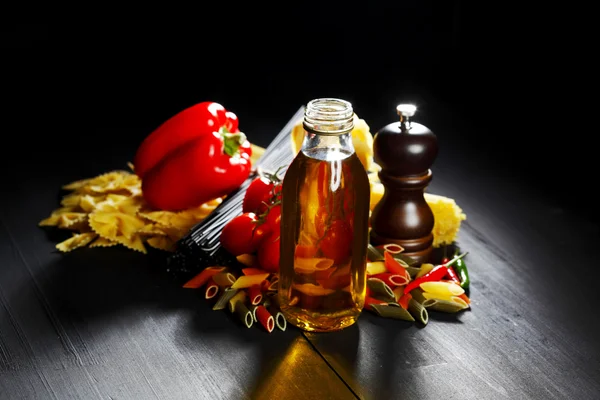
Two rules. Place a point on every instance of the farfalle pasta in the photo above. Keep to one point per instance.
(109, 210)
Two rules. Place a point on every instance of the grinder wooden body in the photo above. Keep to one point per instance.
(405, 151)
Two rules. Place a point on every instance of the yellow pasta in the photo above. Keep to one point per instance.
(309, 265)
(224, 279)
(425, 268)
(312, 290)
(451, 299)
(442, 288)
(376, 267)
(245, 281)
(76, 241)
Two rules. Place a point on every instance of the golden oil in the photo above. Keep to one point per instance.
(324, 226)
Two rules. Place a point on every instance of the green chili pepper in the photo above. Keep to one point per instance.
(461, 269)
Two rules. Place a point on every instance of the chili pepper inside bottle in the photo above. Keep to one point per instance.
(324, 225)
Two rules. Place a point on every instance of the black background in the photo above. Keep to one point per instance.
(511, 82)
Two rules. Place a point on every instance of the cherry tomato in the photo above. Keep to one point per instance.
(237, 234)
(261, 230)
(268, 252)
(337, 241)
(273, 218)
(258, 195)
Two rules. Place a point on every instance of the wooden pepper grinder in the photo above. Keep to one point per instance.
(405, 151)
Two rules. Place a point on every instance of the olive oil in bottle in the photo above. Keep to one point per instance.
(325, 224)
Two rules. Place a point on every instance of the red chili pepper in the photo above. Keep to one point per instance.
(193, 122)
(436, 274)
(203, 169)
(452, 275)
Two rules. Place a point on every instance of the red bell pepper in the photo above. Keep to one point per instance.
(210, 166)
(193, 122)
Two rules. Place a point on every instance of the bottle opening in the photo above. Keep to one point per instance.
(329, 116)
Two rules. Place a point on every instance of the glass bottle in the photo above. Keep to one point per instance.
(325, 223)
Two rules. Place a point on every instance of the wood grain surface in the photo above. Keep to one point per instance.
(110, 323)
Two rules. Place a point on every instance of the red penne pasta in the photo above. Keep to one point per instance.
(392, 248)
(255, 294)
(265, 318)
(264, 285)
(203, 277)
(254, 271)
(371, 300)
(394, 266)
(211, 289)
(391, 279)
(404, 300)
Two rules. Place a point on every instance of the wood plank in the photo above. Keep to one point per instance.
(110, 323)
(533, 327)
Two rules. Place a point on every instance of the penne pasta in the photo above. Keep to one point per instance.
(392, 280)
(376, 267)
(380, 289)
(417, 295)
(265, 318)
(373, 254)
(418, 311)
(425, 268)
(240, 296)
(392, 248)
(398, 292)
(404, 300)
(450, 299)
(312, 290)
(370, 301)
(395, 266)
(244, 314)
(224, 298)
(255, 294)
(392, 311)
(443, 288)
(224, 279)
(245, 281)
(249, 260)
(211, 289)
(254, 271)
(307, 265)
(201, 279)
(413, 271)
(446, 306)
(280, 320)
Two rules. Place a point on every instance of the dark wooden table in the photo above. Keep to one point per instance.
(110, 323)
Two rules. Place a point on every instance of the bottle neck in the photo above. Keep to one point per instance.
(328, 147)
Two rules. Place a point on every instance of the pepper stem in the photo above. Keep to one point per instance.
(231, 141)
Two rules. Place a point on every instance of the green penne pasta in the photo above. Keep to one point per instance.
(447, 306)
(392, 311)
(412, 271)
(244, 314)
(240, 296)
(381, 290)
(224, 279)
(374, 254)
(417, 294)
(418, 311)
(224, 298)
(280, 320)
(252, 309)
